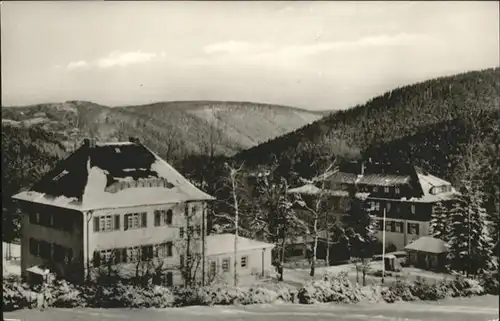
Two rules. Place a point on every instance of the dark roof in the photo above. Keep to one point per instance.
(112, 174)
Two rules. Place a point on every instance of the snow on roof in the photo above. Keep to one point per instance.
(384, 179)
(112, 175)
(308, 189)
(428, 244)
(224, 244)
(38, 269)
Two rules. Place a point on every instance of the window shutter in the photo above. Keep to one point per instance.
(125, 223)
(124, 255)
(96, 224)
(168, 218)
(117, 221)
(169, 248)
(117, 254)
(170, 279)
(97, 258)
(157, 218)
(144, 219)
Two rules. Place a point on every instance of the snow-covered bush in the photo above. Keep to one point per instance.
(15, 296)
(331, 289)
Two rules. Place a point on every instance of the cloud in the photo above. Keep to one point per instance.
(236, 47)
(117, 59)
(266, 53)
(125, 58)
(77, 65)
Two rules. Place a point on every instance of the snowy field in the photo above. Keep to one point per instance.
(12, 266)
(459, 309)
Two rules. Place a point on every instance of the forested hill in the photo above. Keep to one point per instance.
(174, 129)
(409, 111)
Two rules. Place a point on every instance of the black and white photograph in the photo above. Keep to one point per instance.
(250, 160)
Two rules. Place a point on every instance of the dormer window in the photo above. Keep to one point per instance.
(386, 189)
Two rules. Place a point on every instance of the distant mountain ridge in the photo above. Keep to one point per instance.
(184, 124)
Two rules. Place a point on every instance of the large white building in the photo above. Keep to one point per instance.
(113, 203)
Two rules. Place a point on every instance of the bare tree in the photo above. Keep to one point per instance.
(317, 208)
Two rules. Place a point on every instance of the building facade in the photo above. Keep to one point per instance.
(114, 205)
(405, 193)
(253, 259)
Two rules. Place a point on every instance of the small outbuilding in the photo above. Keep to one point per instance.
(428, 253)
(253, 260)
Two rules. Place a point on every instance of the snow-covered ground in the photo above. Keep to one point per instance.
(12, 266)
(461, 309)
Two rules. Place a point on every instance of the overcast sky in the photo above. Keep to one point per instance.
(315, 55)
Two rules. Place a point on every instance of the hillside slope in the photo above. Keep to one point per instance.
(400, 113)
(174, 129)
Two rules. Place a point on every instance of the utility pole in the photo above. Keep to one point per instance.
(383, 248)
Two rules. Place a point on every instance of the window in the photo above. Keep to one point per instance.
(397, 191)
(377, 206)
(163, 217)
(412, 209)
(388, 206)
(181, 232)
(225, 265)
(34, 247)
(164, 250)
(386, 189)
(375, 189)
(133, 254)
(244, 261)
(169, 279)
(413, 228)
(106, 223)
(135, 220)
(147, 253)
(399, 227)
(389, 226)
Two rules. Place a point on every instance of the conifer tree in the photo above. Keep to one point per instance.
(469, 240)
(458, 238)
(439, 227)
